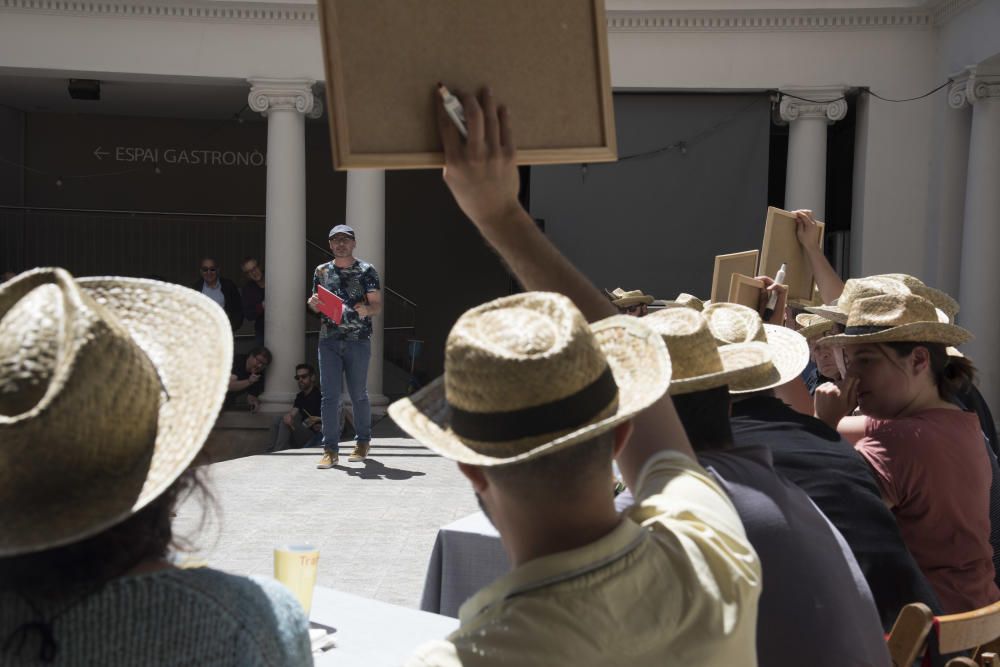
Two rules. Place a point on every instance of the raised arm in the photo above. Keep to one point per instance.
(482, 175)
(829, 282)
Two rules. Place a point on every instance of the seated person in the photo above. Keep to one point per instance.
(84, 572)
(673, 582)
(829, 617)
(301, 426)
(822, 360)
(246, 381)
(818, 460)
(928, 455)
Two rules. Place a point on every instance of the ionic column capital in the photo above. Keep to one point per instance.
(969, 87)
(981, 87)
(284, 95)
(957, 91)
(812, 103)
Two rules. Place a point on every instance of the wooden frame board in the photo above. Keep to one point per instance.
(725, 266)
(547, 61)
(745, 291)
(781, 246)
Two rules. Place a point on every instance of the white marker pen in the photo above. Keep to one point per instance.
(454, 109)
(772, 300)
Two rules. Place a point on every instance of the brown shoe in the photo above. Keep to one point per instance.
(328, 461)
(360, 451)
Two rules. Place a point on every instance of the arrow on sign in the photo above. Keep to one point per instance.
(99, 154)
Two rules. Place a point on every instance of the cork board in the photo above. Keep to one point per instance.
(547, 61)
(727, 265)
(781, 246)
(745, 291)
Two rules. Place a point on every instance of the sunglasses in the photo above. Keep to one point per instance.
(209, 269)
(632, 309)
(303, 377)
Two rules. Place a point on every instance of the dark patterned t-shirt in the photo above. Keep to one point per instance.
(351, 284)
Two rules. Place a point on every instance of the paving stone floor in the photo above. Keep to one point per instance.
(374, 522)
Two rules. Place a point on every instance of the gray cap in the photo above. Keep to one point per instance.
(341, 229)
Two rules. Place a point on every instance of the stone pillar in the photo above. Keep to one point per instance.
(805, 179)
(285, 102)
(953, 124)
(979, 292)
(366, 214)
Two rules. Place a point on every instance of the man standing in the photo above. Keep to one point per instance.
(221, 290)
(345, 348)
(253, 296)
(301, 426)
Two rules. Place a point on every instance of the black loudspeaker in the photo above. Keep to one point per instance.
(84, 89)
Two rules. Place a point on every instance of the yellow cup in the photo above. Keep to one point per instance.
(295, 567)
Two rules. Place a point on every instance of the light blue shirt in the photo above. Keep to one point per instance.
(214, 293)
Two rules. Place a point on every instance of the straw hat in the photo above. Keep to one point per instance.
(863, 288)
(811, 326)
(697, 360)
(732, 323)
(525, 376)
(941, 300)
(623, 299)
(893, 318)
(108, 389)
(855, 289)
(690, 301)
(664, 304)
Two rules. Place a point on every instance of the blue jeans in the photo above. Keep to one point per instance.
(339, 358)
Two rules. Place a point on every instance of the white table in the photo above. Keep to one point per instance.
(370, 633)
(467, 556)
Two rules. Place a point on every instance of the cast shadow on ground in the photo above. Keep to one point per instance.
(377, 470)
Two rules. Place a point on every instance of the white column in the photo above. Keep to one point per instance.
(366, 214)
(805, 176)
(285, 102)
(980, 271)
(953, 123)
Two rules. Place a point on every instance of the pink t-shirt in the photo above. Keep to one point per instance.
(934, 468)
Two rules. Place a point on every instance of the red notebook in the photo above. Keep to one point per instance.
(330, 304)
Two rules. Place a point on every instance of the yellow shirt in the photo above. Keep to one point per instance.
(676, 583)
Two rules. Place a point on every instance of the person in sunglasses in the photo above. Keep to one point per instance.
(220, 290)
(301, 426)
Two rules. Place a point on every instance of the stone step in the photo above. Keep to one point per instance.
(239, 433)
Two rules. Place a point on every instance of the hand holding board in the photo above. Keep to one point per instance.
(781, 246)
(546, 61)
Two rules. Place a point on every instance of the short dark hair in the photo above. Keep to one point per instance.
(545, 475)
(952, 375)
(261, 350)
(299, 367)
(705, 415)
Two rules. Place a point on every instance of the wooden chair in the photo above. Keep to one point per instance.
(977, 631)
